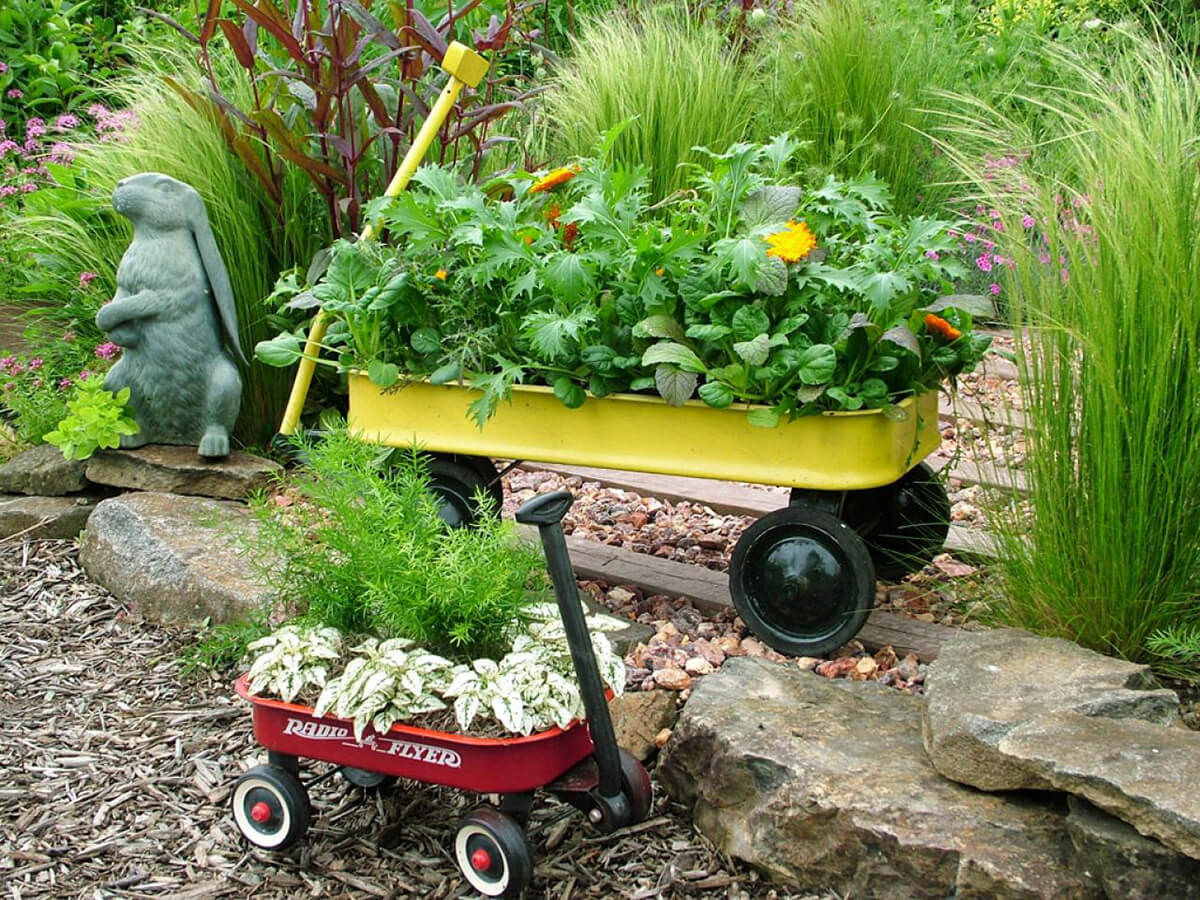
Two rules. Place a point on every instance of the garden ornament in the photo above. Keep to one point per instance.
(174, 315)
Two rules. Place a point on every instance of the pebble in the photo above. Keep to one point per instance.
(672, 678)
(698, 666)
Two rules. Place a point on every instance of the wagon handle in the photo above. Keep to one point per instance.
(466, 68)
(546, 512)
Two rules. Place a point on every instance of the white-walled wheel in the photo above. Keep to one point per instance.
(270, 807)
(493, 853)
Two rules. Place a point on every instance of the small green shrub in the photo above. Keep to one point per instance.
(96, 420)
(363, 550)
(221, 648)
(674, 80)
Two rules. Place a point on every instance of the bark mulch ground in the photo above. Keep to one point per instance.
(115, 772)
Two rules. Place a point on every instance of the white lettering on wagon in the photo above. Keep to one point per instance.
(426, 753)
(315, 731)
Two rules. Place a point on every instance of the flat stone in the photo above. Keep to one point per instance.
(1126, 863)
(174, 559)
(622, 639)
(1142, 773)
(985, 684)
(639, 716)
(167, 468)
(824, 785)
(42, 471)
(41, 518)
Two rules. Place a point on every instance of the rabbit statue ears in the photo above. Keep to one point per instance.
(214, 267)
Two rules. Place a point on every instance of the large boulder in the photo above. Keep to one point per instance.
(174, 559)
(825, 785)
(37, 518)
(985, 684)
(43, 471)
(1127, 864)
(173, 469)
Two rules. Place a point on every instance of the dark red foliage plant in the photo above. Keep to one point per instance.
(339, 94)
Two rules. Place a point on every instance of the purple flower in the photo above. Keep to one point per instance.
(64, 383)
(35, 364)
(969, 238)
(7, 190)
(1044, 258)
(15, 94)
(66, 122)
(83, 376)
(18, 368)
(28, 188)
(1028, 221)
(86, 278)
(994, 288)
(35, 127)
(8, 146)
(931, 254)
(107, 350)
(61, 152)
(3, 67)
(7, 363)
(984, 262)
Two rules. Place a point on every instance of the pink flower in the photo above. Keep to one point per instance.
(35, 127)
(1065, 276)
(932, 254)
(969, 238)
(64, 383)
(66, 121)
(28, 188)
(984, 262)
(994, 288)
(7, 363)
(3, 67)
(35, 364)
(86, 278)
(61, 152)
(83, 376)
(68, 336)
(7, 190)
(18, 368)
(15, 94)
(107, 350)
(1028, 221)
(8, 146)
(1044, 258)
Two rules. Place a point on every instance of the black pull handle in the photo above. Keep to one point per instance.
(545, 509)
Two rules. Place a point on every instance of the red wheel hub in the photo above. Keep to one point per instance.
(481, 860)
(260, 812)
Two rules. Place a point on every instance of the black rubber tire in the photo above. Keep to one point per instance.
(455, 484)
(904, 524)
(486, 470)
(506, 847)
(366, 779)
(635, 785)
(802, 581)
(283, 796)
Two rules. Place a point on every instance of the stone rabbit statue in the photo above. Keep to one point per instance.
(174, 315)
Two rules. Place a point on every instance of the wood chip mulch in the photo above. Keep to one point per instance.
(116, 773)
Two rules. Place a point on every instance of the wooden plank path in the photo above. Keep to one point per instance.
(709, 592)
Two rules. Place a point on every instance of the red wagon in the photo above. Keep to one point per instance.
(580, 764)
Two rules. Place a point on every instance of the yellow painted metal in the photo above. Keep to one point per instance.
(466, 67)
(836, 451)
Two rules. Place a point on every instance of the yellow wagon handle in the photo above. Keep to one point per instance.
(466, 67)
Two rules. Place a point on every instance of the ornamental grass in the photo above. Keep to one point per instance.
(1105, 266)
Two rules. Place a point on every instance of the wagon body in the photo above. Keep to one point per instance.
(483, 765)
(828, 452)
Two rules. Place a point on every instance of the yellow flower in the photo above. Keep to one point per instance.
(793, 243)
(440, 274)
(553, 179)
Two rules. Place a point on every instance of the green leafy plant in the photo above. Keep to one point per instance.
(747, 289)
(221, 648)
(364, 550)
(293, 658)
(388, 682)
(96, 420)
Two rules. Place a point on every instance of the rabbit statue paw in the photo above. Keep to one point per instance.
(174, 315)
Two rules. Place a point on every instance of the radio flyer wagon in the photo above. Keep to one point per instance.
(581, 764)
(802, 578)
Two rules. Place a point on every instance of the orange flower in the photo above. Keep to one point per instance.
(528, 239)
(569, 233)
(551, 214)
(793, 243)
(938, 326)
(440, 274)
(659, 272)
(553, 179)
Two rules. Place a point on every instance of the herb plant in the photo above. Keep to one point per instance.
(96, 420)
(746, 287)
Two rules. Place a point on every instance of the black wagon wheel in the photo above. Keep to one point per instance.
(802, 581)
(635, 785)
(493, 853)
(366, 779)
(904, 524)
(454, 479)
(270, 807)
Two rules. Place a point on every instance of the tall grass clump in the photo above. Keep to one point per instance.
(1105, 276)
(674, 80)
(79, 231)
(850, 77)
